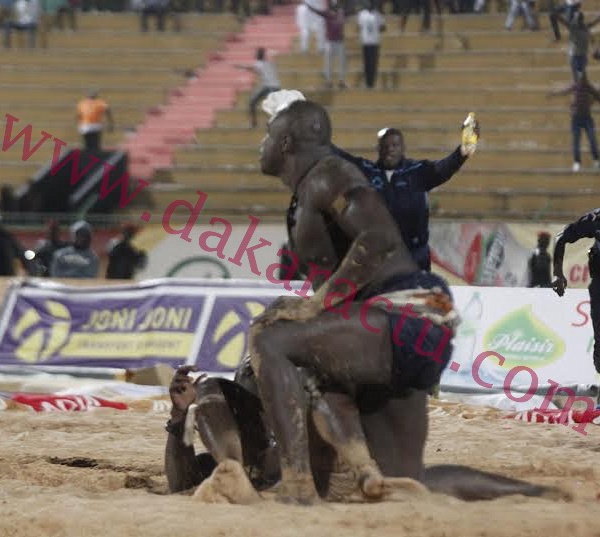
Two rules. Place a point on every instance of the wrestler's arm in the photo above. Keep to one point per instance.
(363, 217)
(181, 466)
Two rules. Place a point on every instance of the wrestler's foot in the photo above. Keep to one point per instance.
(371, 482)
(296, 489)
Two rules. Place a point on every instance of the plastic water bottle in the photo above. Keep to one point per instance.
(469, 136)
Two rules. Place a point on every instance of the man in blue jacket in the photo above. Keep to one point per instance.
(404, 184)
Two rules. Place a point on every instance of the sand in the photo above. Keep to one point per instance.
(101, 473)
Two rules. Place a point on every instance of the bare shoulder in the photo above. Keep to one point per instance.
(331, 177)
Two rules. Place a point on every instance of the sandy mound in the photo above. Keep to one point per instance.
(227, 484)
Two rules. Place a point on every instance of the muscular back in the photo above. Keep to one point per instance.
(335, 206)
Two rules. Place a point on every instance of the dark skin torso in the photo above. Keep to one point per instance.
(335, 199)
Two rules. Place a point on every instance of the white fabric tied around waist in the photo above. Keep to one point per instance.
(433, 304)
(190, 425)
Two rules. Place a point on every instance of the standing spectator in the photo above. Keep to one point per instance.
(540, 263)
(11, 250)
(315, 23)
(370, 25)
(45, 249)
(67, 9)
(579, 40)
(268, 83)
(518, 7)
(567, 10)
(335, 47)
(417, 6)
(302, 25)
(91, 113)
(6, 7)
(77, 260)
(157, 8)
(123, 258)
(584, 95)
(25, 18)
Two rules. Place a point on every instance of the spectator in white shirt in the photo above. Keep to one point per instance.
(269, 81)
(26, 18)
(315, 23)
(302, 25)
(370, 25)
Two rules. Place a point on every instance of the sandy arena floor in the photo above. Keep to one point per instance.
(100, 473)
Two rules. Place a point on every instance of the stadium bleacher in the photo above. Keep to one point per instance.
(426, 86)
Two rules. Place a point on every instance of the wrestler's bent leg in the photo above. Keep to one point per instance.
(342, 352)
(337, 420)
(396, 433)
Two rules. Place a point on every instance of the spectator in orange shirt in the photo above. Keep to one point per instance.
(91, 114)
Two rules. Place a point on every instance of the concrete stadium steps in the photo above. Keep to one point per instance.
(102, 21)
(122, 95)
(472, 175)
(214, 87)
(413, 79)
(489, 203)
(67, 59)
(396, 57)
(428, 118)
(467, 41)
(137, 74)
(114, 41)
(522, 167)
(470, 97)
(83, 79)
(440, 140)
(53, 118)
(510, 203)
(485, 158)
(556, 56)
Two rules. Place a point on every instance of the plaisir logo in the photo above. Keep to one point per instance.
(524, 340)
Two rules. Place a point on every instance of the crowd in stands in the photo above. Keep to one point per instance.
(54, 257)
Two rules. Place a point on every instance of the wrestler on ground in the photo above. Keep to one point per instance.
(229, 417)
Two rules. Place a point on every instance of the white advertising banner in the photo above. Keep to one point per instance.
(226, 251)
(522, 328)
(465, 253)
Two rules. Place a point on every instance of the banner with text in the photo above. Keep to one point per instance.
(205, 322)
(525, 328)
(169, 321)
